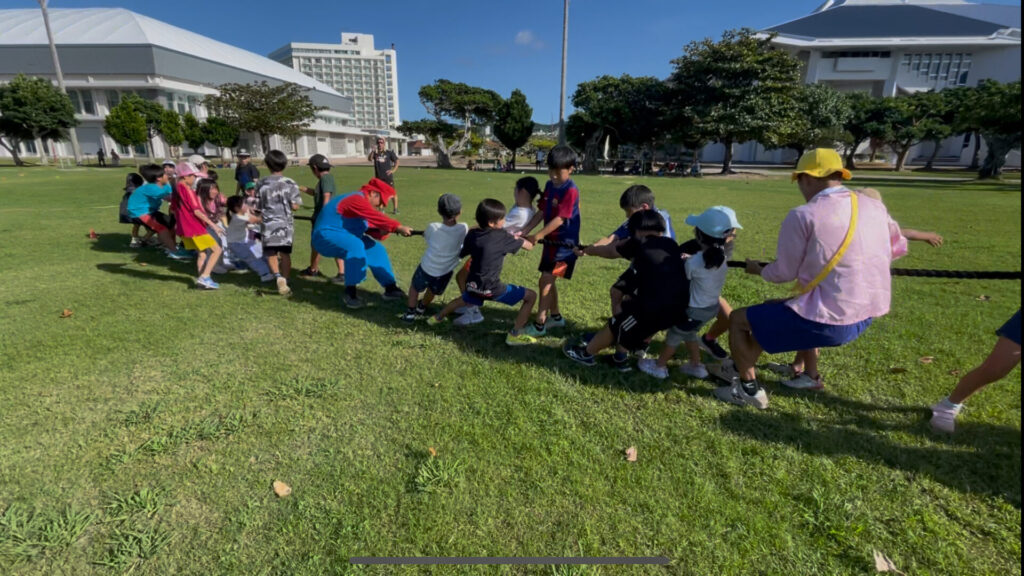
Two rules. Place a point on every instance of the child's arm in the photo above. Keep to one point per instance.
(930, 237)
(609, 250)
(527, 245)
(537, 218)
(547, 229)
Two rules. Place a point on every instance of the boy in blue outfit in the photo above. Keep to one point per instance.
(144, 208)
(559, 208)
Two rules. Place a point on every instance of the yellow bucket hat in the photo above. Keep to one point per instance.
(820, 163)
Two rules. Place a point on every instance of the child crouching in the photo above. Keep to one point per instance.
(241, 239)
(444, 241)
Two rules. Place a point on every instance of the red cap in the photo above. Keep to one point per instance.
(381, 187)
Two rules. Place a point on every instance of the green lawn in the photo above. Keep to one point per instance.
(143, 433)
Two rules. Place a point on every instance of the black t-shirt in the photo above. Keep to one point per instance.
(691, 247)
(656, 275)
(247, 173)
(382, 162)
(488, 247)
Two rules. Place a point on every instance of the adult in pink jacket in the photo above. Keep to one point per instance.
(837, 248)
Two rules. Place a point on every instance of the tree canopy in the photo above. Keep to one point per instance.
(220, 132)
(284, 109)
(449, 103)
(998, 119)
(33, 108)
(514, 124)
(126, 125)
(194, 132)
(171, 128)
(818, 119)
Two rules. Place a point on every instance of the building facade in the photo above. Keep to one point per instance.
(899, 47)
(354, 68)
(107, 53)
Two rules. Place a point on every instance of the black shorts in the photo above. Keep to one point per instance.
(437, 284)
(275, 250)
(632, 329)
(557, 268)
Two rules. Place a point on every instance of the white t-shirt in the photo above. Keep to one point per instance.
(705, 284)
(517, 218)
(237, 228)
(443, 246)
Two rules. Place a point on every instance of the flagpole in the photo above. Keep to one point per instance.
(60, 79)
(565, 48)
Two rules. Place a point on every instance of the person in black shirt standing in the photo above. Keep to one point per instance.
(487, 246)
(657, 278)
(245, 172)
(385, 163)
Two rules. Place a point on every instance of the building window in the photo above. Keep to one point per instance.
(948, 69)
(28, 148)
(82, 101)
(113, 98)
(857, 54)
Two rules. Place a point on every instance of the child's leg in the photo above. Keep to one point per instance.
(666, 354)
(314, 259)
(525, 310)
(414, 296)
(600, 341)
(201, 262)
(809, 361)
(461, 277)
(341, 266)
(694, 350)
(167, 239)
(1004, 357)
(286, 264)
(456, 303)
(721, 325)
(554, 309)
(273, 264)
(428, 297)
(546, 286)
(616, 297)
(213, 255)
(135, 230)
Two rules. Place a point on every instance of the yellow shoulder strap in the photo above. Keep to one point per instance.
(803, 289)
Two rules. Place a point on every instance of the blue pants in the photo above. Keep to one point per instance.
(358, 252)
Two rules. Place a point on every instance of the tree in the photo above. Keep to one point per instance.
(937, 125)
(221, 133)
(584, 134)
(998, 109)
(911, 120)
(194, 132)
(820, 114)
(737, 89)
(172, 130)
(126, 125)
(284, 109)
(858, 128)
(962, 101)
(514, 123)
(446, 100)
(32, 108)
(152, 114)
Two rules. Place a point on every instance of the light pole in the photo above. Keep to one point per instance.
(60, 79)
(565, 48)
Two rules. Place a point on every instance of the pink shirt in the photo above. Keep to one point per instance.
(860, 285)
(185, 204)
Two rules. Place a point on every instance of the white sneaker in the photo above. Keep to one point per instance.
(725, 371)
(282, 286)
(552, 323)
(784, 370)
(135, 243)
(473, 316)
(698, 371)
(805, 382)
(650, 367)
(735, 395)
(463, 309)
(944, 417)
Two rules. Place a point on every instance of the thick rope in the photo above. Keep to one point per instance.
(924, 273)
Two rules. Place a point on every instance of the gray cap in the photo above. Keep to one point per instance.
(449, 205)
(242, 152)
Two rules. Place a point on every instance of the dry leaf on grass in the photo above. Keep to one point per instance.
(983, 298)
(926, 359)
(884, 564)
(433, 452)
(281, 489)
(142, 264)
(897, 370)
(954, 372)
(631, 454)
(66, 313)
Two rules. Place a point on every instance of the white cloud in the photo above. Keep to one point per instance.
(526, 38)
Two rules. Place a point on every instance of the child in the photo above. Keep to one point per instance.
(657, 278)
(214, 206)
(192, 224)
(706, 270)
(143, 208)
(1004, 357)
(252, 200)
(325, 188)
(559, 207)
(487, 246)
(279, 199)
(131, 182)
(241, 239)
(444, 241)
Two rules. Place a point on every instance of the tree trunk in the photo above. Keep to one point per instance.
(901, 157)
(43, 158)
(931, 159)
(976, 157)
(590, 151)
(150, 148)
(513, 161)
(264, 142)
(13, 149)
(998, 147)
(727, 162)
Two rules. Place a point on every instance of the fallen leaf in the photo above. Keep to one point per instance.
(983, 298)
(142, 264)
(884, 564)
(926, 359)
(66, 313)
(631, 454)
(897, 370)
(954, 372)
(433, 452)
(281, 489)
(252, 459)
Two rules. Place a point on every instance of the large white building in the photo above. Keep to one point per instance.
(108, 52)
(896, 47)
(354, 68)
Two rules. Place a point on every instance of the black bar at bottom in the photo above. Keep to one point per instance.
(509, 560)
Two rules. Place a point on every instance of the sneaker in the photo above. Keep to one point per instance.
(282, 286)
(309, 272)
(785, 370)
(178, 255)
(712, 347)
(352, 302)
(520, 339)
(473, 316)
(152, 241)
(410, 316)
(725, 372)
(421, 309)
(579, 354)
(699, 371)
(944, 417)
(207, 283)
(734, 394)
(805, 382)
(650, 367)
(434, 320)
(393, 294)
(339, 279)
(463, 309)
(621, 363)
(135, 243)
(552, 323)
(643, 353)
(531, 330)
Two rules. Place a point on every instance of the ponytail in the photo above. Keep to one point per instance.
(714, 250)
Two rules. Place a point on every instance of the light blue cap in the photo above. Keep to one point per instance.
(714, 221)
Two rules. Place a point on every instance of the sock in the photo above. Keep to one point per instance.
(749, 387)
(538, 326)
(277, 275)
(949, 405)
(556, 317)
(411, 310)
(350, 291)
(620, 356)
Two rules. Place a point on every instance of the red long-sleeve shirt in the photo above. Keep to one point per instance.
(357, 206)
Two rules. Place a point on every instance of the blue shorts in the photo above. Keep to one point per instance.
(777, 328)
(437, 284)
(1011, 330)
(513, 295)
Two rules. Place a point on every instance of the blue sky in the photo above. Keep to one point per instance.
(486, 43)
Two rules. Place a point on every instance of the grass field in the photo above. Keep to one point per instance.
(143, 433)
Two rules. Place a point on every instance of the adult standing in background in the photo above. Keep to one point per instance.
(245, 172)
(114, 158)
(385, 163)
(101, 157)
